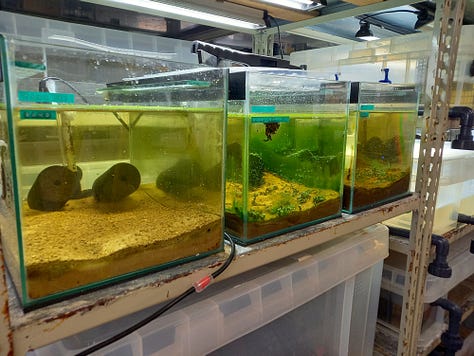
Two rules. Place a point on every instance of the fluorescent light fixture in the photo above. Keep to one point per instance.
(304, 5)
(180, 13)
(369, 38)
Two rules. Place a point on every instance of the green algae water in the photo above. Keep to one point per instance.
(160, 172)
(112, 165)
(283, 171)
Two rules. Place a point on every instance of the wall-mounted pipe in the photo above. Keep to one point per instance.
(451, 340)
(466, 219)
(466, 115)
(439, 267)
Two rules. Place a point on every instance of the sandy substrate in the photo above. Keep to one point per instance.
(89, 242)
(368, 193)
(278, 206)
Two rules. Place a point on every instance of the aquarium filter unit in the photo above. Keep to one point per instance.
(106, 177)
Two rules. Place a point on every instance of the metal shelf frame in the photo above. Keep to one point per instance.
(20, 332)
(445, 40)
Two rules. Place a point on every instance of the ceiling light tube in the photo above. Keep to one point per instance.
(181, 13)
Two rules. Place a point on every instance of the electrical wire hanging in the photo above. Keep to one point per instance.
(197, 287)
(267, 17)
(43, 87)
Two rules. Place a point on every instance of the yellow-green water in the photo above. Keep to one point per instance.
(379, 153)
(174, 215)
(283, 171)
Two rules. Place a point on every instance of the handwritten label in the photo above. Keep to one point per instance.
(37, 115)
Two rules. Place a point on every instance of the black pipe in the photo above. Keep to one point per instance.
(466, 219)
(451, 340)
(466, 115)
(439, 266)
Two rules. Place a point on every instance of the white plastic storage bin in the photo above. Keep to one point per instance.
(460, 259)
(454, 190)
(324, 299)
(467, 198)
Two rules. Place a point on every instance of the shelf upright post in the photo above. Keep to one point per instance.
(445, 40)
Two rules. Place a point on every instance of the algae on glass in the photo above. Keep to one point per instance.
(285, 152)
(380, 139)
(113, 166)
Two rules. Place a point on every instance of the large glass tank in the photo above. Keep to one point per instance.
(285, 151)
(380, 139)
(112, 166)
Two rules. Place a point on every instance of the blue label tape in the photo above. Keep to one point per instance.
(43, 97)
(268, 119)
(268, 109)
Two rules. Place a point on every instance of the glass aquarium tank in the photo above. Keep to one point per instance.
(285, 151)
(112, 166)
(380, 139)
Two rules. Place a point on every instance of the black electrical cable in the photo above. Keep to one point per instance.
(43, 88)
(267, 18)
(163, 309)
(279, 37)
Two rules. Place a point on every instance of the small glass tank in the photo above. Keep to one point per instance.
(285, 151)
(112, 166)
(380, 139)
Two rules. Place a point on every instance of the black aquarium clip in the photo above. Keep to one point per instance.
(245, 58)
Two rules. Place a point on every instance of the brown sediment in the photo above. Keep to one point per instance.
(368, 193)
(267, 204)
(255, 229)
(89, 241)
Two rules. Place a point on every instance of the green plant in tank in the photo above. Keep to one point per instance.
(392, 149)
(318, 199)
(282, 210)
(237, 209)
(303, 197)
(373, 148)
(233, 166)
(304, 155)
(256, 167)
(256, 215)
(283, 207)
